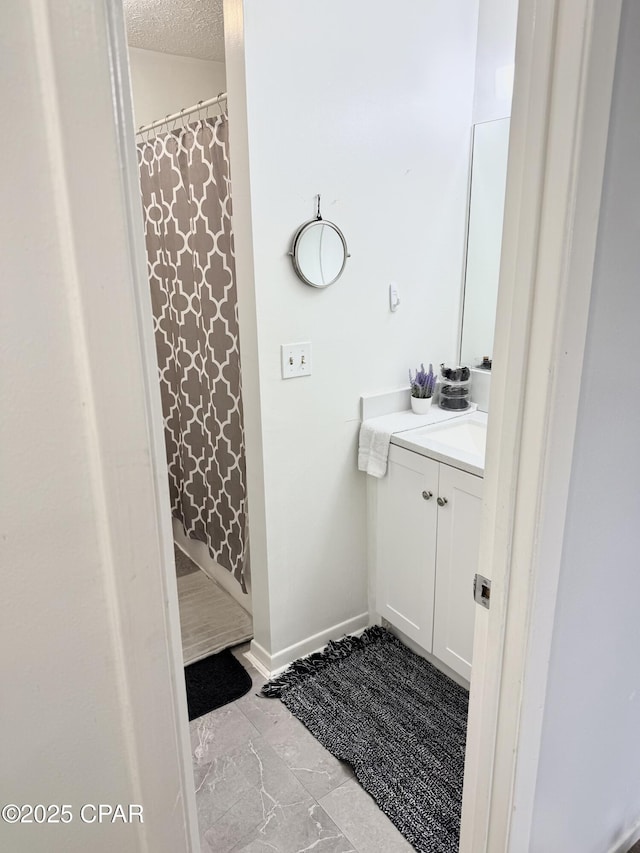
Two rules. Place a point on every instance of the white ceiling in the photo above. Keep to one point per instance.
(185, 27)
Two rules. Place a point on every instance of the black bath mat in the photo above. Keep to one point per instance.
(213, 682)
(397, 720)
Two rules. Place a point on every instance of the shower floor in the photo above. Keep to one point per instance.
(210, 619)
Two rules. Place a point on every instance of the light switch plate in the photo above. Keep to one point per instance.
(296, 360)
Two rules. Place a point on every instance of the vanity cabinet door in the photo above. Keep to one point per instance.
(407, 515)
(457, 563)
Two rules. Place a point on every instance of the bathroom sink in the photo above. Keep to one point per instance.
(468, 436)
(460, 441)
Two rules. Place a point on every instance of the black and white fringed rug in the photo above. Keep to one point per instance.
(397, 720)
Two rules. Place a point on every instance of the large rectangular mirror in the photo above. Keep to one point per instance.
(486, 210)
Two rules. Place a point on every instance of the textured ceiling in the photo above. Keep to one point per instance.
(186, 27)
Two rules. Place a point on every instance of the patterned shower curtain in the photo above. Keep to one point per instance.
(186, 197)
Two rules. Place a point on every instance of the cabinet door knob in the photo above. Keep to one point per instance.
(442, 501)
(427, 495)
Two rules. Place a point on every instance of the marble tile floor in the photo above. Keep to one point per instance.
(265, 785)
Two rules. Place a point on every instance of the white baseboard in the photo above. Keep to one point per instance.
(197, 552)
(627, 843)
(260, 658)
(253, 661)
(273, 664)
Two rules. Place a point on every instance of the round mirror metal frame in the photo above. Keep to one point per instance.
(296, 242)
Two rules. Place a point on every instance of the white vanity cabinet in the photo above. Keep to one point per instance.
(407, 518)
(427, 539)
(457, 544)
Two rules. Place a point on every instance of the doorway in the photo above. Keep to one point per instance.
(182, 144)
(471, 792)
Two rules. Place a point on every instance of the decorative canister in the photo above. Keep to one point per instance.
(454, 393)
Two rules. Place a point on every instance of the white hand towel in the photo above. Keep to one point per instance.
(373, 449)
(375, 435)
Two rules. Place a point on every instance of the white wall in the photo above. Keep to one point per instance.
(387, 146)
(494, 59)
(588, 797)
(85, 638)
(163, 83)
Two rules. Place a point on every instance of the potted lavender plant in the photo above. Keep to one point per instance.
(422, 387)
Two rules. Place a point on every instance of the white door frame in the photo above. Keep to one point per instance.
(565, 61)
(88, 43)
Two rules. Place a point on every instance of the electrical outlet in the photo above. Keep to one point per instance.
(296, 360)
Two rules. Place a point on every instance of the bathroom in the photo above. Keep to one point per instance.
(372, 118)
(371, 134)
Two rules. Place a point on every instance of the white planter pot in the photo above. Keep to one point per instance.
(421, 405)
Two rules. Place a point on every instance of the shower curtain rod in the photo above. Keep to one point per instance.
(201, 105)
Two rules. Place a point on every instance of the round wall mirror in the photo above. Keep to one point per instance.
(319, 252)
